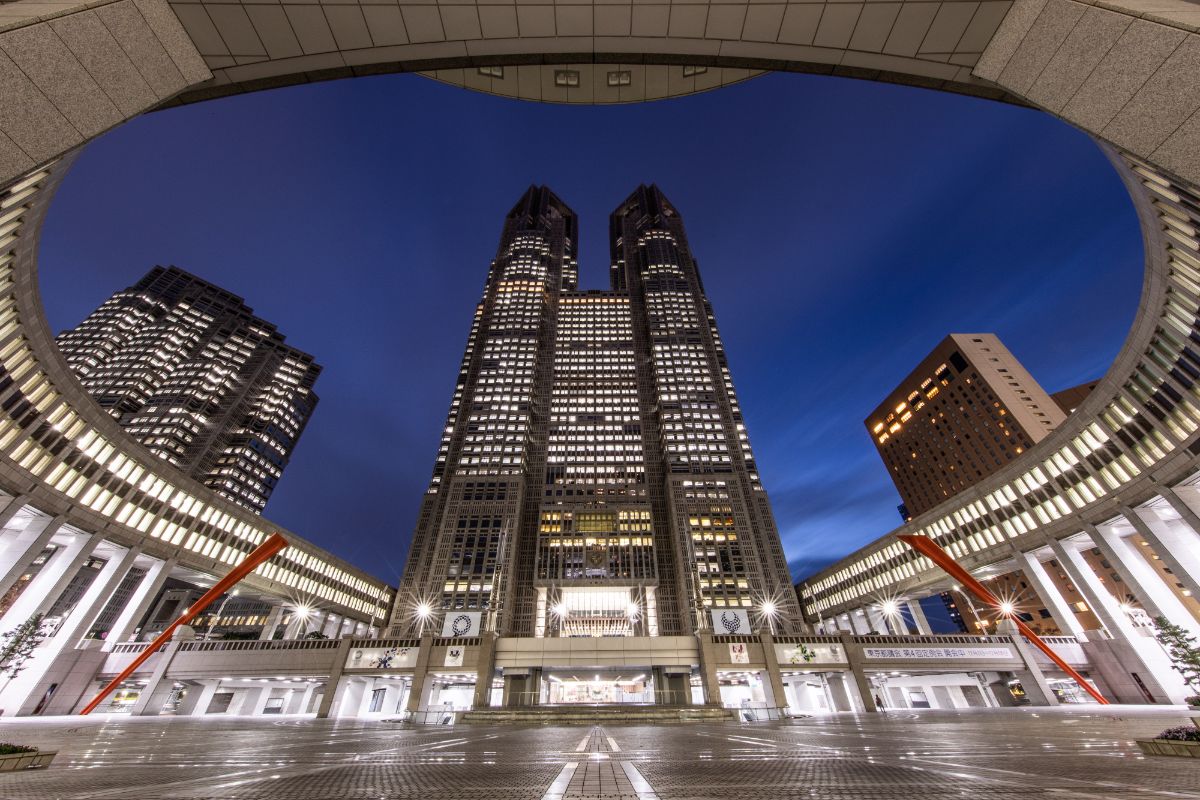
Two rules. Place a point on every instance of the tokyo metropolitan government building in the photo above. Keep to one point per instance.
(594, 477)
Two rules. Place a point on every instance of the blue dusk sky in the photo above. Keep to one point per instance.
(842, 228)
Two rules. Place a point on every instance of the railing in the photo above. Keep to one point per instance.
(386, 643)
(792, 638)
(267, 644)
(1060, 640)
(450, 641)
(958, 639)
(746, 714)
(434, 717)
(656, 697)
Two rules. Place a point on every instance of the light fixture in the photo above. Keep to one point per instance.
(560, 609)
(1007, 608)
(424, 610)
(890, 607)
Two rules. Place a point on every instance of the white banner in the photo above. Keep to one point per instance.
(971, 653)
(730, 620)
(461, 623)
(810, 654)
(454, 656)
(382, 658)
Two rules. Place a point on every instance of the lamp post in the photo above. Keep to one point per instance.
(424, 612)
(770, 611)
(220, 613)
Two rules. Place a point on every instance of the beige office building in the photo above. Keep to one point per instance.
(968, 409)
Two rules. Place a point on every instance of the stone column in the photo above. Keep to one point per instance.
(854, 660)
(420, 671)
(24, 547)
(1102, 602)
(485, 670)
(139, 602)
(1141, 578)
(273, 618)
(1033, 680)
(334, 685)
(298, 703)
(1139, 658)
(195, 703)
(1176, 544)
(260, 702)
(774, 678)
(919, 619)
(10, 507)
(877, 621)
(158, 688)
(91, 604)
(199, 705)
(708, 669)
(295, 626)
(51, 581)
(1056, 604)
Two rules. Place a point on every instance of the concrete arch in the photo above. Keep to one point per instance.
(69, 71)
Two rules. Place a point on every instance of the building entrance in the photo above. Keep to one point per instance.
(599, 688)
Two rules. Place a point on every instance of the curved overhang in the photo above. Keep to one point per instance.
(69, 71)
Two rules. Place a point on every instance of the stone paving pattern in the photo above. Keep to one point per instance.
(1069, 753)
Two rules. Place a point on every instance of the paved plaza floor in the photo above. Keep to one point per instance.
(1056, 754)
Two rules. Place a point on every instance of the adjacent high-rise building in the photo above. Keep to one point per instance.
(188, 370)
(968, 409)
(595, 477)
(1071, 398)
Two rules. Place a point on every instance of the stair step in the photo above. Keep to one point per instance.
(569, 715)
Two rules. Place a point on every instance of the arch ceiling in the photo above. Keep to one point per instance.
(1125, 72)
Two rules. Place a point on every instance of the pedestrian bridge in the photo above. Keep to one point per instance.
(339, 678)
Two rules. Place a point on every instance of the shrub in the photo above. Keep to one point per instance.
(1184, 733)
(7, 749)
(1192, 700)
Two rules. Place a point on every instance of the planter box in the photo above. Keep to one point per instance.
(34, 760)
(1169, 747)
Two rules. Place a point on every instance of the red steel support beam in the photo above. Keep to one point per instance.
(264, 551)
(931, 550)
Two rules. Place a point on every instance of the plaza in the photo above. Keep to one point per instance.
(1074, 753)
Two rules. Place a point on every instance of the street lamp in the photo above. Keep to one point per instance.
(770, 611)
(302, 613)
(220, 613)
(424, 612)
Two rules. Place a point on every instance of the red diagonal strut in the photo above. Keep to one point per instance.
(929, 548)
(270, 547)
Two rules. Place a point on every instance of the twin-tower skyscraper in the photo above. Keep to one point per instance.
(595, 476)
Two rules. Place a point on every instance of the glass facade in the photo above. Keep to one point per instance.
(188, 370)
(594, 477)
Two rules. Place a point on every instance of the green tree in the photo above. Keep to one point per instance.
(17, 646)
(1185, 655)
